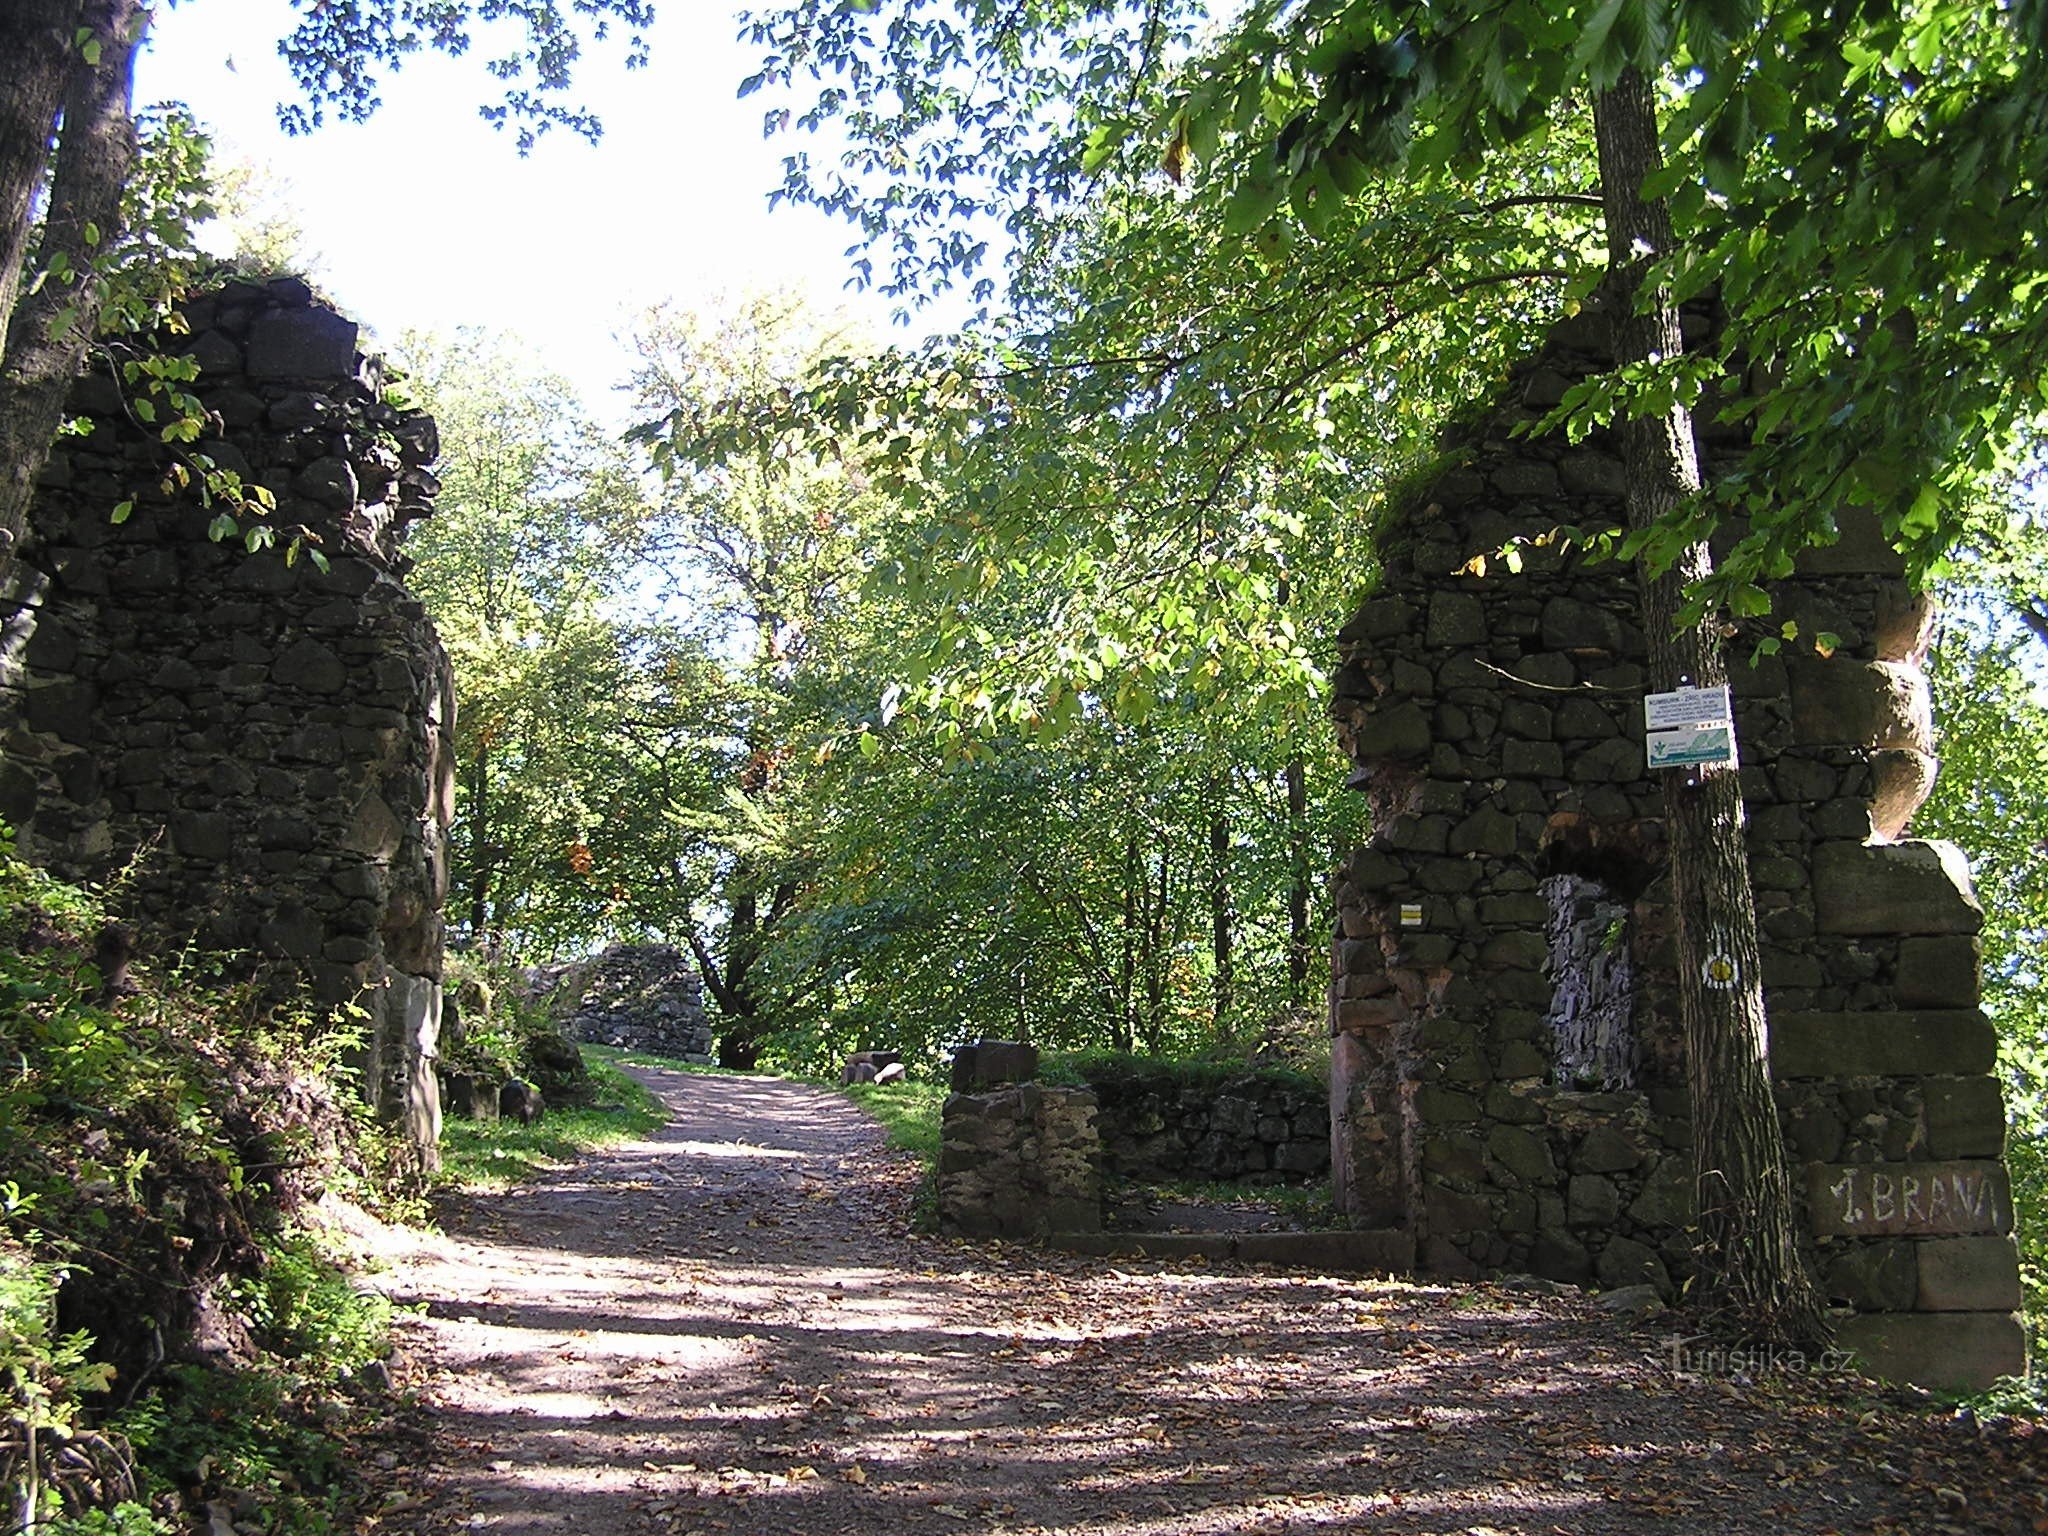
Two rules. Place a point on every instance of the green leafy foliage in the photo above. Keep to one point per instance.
(524, 566)
(1992, 798)
(340, 52)
(170, 1117)
(1062, 890)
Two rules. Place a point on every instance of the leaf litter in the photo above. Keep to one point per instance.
(683, 1344)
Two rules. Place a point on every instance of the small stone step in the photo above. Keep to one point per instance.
(1376, 1252)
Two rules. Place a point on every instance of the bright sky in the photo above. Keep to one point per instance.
(426, 216)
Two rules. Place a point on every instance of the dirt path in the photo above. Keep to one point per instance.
(730, 1327)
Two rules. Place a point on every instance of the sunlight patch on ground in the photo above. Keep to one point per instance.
(723, 1149)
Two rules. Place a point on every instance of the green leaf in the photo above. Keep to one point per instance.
(1257, 195)
(122, 511)
(1595, 56)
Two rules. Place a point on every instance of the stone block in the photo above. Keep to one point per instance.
(1524, 1153)
(1442, 1106)
(1378, 618)
(1584, 720)
(1941, 971)
(1369, 1015)
(1606, 1149)
(1486, 830)
(1450, 877)
(1519, 950)
(1861, 549)
(302, 344)
(329, 481)
(1614, 761)
(1963, 1116)
(1958, 1041)
(1592, 1200)
(986, 1062)
(1901, 780)
(1557, 1255)
(1872, 1277)
(67, 710)
(1944, 1351)
(1417, 834)
(1894, 888)
(1521, 717)
(1624, 1262)
(1954, 1198)
(1968, 1274)
(1531, 759)
(1840, 701)
(1402, 732)
(1572, 625)
(1455, 619)
(205, 835)
(1668, 1196)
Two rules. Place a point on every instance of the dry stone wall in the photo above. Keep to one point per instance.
(640, 997)
(1017, 1159)
(261, 748)
(1508, 1080)
(1160, 1123)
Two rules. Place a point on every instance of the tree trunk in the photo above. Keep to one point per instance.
(1297, 881)
(36, 40)
(95, 152)
(479, 818)
(1222, 919)
(1749, 1259)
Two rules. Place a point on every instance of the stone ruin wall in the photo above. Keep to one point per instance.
(1158, 1125)
(256, 750)
(1017, 1159)
(638, 997)
(1508, 1080)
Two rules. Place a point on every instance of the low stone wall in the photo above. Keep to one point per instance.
(1017, 1161)
(637, 997)
(1165, 1123)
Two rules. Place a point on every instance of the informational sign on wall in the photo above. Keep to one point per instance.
(1689, 728)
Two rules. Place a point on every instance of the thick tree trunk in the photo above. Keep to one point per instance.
(45, 345)
(36, 41)
(1749, 1258)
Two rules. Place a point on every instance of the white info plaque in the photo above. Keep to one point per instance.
(1689, 728)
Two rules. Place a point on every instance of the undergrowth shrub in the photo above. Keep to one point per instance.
(170, 1331)
(497, 1030)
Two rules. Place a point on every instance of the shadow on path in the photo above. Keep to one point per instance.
(730, 1327)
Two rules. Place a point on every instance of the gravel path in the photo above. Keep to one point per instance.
(730, 1327)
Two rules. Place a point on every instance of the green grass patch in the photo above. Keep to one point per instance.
(486, 1155)
(908, 1110)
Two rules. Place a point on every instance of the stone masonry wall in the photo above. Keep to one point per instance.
(261, 745)
(640, 997)
(1162, 1124)
(1017, 1159)
(1508, 1080)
